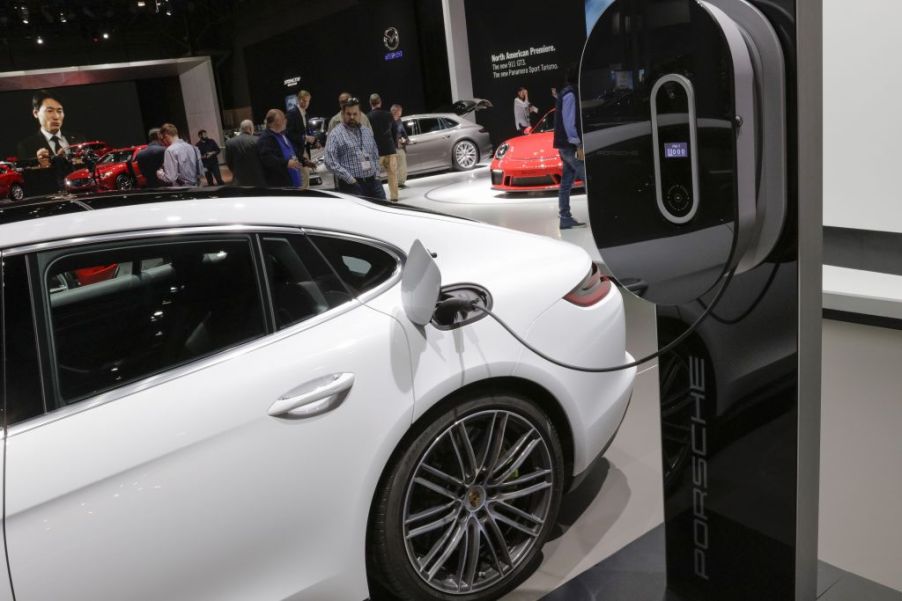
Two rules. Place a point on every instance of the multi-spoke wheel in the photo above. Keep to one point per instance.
(468, 506)
(124, 182)
(16, 192)
(466, 155)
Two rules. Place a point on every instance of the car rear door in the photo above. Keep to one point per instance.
(430, 145)
(206, 436)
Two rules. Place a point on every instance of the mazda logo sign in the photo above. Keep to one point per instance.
(391, 38)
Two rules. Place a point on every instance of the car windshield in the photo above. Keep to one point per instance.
(117, 156)
(546, 124)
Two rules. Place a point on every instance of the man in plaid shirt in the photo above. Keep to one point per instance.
(352, 155)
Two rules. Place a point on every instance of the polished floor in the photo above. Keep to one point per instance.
(861, 479)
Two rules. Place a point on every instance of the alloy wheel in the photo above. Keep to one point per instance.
(124, 182)
(465, 154)
(477, 502)
(16, 192)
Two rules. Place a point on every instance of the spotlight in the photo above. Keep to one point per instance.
(63, 18)
(106, 36)
(40, 40)
(141, 3)
(23, 12)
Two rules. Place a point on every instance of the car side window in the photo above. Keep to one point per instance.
(301, 283)
(547, 123)
(361, 266)
(123, 312)
(24, 395)
(412, 127)
(449, 123)
(430, 124)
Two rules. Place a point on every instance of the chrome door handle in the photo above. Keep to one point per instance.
(313, 398)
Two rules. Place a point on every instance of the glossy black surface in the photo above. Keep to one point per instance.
(729, 393)
(634, 44)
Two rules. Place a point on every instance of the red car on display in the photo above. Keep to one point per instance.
(117, 170)
(12, 183)
(529, 163)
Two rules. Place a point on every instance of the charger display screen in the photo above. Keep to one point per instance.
(676, 150)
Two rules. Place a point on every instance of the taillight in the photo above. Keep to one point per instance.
(591, 290)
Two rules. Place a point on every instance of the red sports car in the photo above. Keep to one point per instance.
(12, 184)
(529, 163)
(117, 170)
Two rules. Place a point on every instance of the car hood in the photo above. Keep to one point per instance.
(531, 147)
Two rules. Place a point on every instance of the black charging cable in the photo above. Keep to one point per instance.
(457, 304)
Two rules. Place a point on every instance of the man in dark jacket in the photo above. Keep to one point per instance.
(385, 130)
(209, 153)
(242, 159)
(278, 156)
(567, 132)
(48, 111)
(150, 158)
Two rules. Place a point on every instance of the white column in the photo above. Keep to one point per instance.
(201, 103)
(458, 50)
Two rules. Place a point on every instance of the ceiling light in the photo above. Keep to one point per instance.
(142, 3)
(62, 17)
(106, 36)
(40, 40)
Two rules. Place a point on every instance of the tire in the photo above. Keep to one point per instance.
(440, 529)
(464, 155)
(124, 182)
(16, 192)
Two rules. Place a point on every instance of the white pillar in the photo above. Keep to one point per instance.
(458, 50)
(201, 103)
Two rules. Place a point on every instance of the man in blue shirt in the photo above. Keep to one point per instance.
(352, 155)
(567, 131)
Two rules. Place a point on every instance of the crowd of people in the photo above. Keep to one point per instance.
(360, 147)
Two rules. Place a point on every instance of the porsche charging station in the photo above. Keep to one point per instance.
(701, 125)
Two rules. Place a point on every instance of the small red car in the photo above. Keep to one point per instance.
(529, 163)
(12, 184)
(117, 170)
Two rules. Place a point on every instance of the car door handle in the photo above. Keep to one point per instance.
(313, 398)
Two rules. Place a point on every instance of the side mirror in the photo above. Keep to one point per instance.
(420, 285)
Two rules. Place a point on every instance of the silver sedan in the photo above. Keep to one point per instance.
(440, 141)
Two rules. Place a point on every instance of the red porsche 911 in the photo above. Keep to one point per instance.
(529, 163)
(117, 170)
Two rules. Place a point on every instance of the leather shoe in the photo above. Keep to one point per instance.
(571, 223)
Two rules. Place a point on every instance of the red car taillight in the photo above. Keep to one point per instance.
(591, 290)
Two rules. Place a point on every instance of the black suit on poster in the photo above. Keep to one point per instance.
(28, 148)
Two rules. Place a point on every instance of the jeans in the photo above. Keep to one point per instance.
(370, 187)
(574, 169)
(213, 173)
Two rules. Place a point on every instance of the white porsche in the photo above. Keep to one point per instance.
(244, 398)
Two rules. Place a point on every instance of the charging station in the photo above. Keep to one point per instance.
(701, 123)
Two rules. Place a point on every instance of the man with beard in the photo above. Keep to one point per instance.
(336, 119)
(352, 155)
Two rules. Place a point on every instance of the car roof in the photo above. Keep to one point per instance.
(451, 116)
(50, 206)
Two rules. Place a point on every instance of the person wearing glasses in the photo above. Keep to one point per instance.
(352, 155)
(336, 119)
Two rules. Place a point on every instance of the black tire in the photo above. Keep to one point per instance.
(16, 192)
(124, 182)
(478, 506)
(464, 155)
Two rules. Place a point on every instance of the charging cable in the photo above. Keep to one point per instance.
(457, 304)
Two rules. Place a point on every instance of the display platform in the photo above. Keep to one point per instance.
(637, 573)
(474, 187)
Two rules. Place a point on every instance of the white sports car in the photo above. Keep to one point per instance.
(255, 398)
